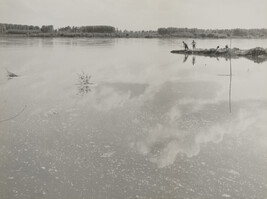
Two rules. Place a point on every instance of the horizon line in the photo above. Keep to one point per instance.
(122, 29)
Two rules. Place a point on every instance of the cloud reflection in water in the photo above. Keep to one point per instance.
(174, 119)
(163, 142)
(181, 126)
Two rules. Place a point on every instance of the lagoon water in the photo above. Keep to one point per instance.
(150, 125)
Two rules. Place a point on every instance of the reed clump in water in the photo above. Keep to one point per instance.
(84, 83)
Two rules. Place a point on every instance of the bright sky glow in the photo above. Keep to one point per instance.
(137, 14)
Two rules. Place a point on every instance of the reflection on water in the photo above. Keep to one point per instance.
(230, 87)
(185, 57)
(183, 118)
(193, 60)
(153, 125)
(84, 89)
(185, 132)
(230, 74)
(230, 83)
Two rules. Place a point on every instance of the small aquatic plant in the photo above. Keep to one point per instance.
(84, 83)
(84, 78)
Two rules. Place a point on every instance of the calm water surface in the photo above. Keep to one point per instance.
(151, 125)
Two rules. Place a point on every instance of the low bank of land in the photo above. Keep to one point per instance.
(112, 32)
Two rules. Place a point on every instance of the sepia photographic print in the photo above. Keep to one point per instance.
(133, 99)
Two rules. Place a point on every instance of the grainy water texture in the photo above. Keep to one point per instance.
(144, 123)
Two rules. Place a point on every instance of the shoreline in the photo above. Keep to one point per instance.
(115, 36)
(107, 31)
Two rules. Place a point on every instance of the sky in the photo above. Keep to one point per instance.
(137, 14)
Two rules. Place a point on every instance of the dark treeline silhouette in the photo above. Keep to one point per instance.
(209, 33)
(88, 29)
(110, 31)
(48, 30)
(18, 29)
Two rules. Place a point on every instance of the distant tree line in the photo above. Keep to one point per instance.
(209, 33)
(110, 31)
(47, 29)
(88, 29)
(29, 29)
(24, 29)
(18, 29)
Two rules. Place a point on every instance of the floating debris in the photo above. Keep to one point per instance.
(4, 120)
(51, 112)
(11, 75)
(11, 178)
(108, 154)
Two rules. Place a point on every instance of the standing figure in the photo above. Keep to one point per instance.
(217, 49)
(185, 46)
(194, 44)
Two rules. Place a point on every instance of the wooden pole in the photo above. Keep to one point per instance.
(230, 86)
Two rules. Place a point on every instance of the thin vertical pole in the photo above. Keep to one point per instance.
(230, 86)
